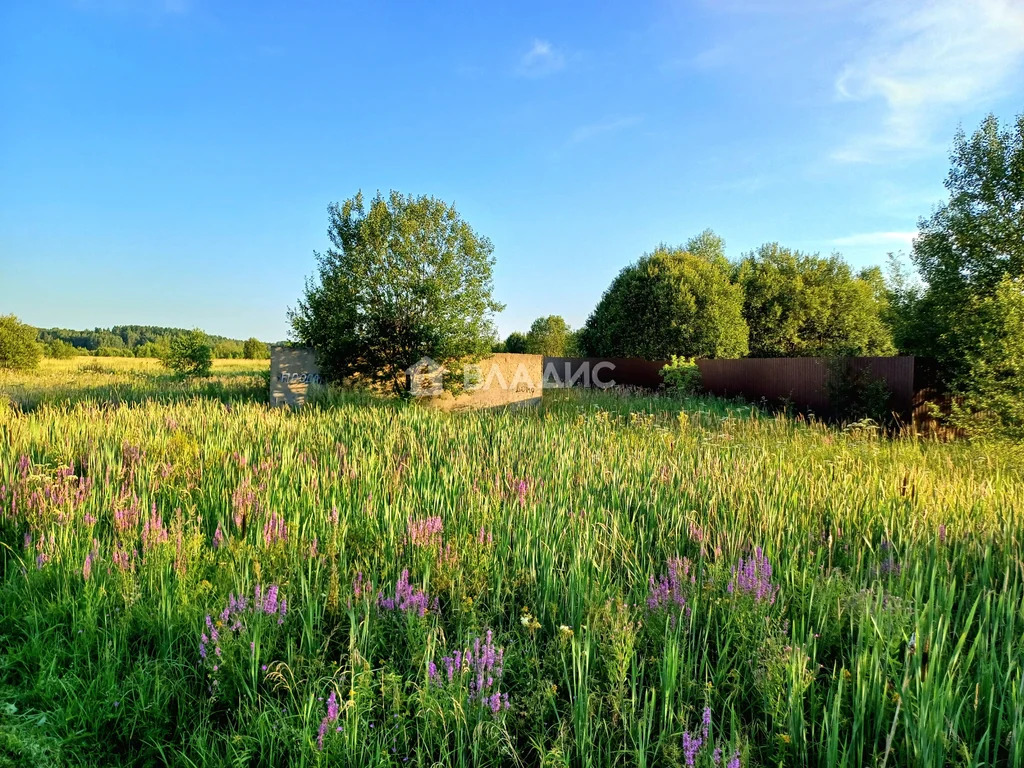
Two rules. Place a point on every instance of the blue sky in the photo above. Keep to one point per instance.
(170, 162)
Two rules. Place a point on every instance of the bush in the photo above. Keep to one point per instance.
(549, 336)
(114, 352)
(989, 400)
(856, 393)
(190, 354)
(254, 349)
(682, 376)
(18, 346)
(59, 349)
(515, 343)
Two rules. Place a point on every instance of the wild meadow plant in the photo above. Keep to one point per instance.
(189, 577)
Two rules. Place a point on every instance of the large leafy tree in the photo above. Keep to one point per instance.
(670, 302)
(405, 278)
(550, 336)
(968, 245)
(804, 305)
(254, 349)
(190, 354)
(515, 342)
(991, 386)
(18, 346)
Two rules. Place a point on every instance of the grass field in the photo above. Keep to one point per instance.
(189, 578)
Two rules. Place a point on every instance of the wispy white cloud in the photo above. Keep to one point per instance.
(603, 127)
(876, 239)
(541, 59)
(925, 61)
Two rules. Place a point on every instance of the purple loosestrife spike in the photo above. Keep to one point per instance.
(691, 746)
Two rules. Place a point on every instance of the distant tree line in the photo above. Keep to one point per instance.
(186, 352)
(140, 341)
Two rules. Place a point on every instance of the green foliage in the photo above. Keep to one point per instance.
(406, 278)
(150, 339)
(671, 302)
(990, 394)
(971, 243)
(190, 354)
(549, 336)
(228, 350)
(19, 349)
(516, 343)
(59, 350)
(856, 394)
(682, 376)
(801, 305)
(254, 349)
(159, 349)
(113, 352)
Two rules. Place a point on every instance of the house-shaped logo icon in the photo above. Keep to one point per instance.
(425, 378)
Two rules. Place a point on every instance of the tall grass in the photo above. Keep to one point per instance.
(598, 539)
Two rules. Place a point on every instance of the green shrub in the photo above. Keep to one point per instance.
(58, 349)
(990, 397)
(18, 346)
(515, 343)
(254, 349)
(682, 376)
(114, 352)
(190, 354)
(856, 393)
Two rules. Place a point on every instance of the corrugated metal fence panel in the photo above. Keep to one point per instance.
(804, 381)
(582, 371)
(800, 381)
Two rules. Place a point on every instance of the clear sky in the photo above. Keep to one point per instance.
(170, 162)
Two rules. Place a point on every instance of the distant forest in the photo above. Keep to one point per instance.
(131, 341)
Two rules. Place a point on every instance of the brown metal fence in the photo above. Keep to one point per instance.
(802, 382)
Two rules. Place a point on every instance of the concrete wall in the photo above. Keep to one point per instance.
(502, 380)
(292, 371)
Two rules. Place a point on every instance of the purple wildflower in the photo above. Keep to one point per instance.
(426, 533)
(754, 576)
(330, 717)
(481, 666)
(407, 599)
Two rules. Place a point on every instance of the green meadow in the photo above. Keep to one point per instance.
(190, 578)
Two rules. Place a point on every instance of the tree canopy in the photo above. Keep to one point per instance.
(254, 349)
(18, 346)
(516, 343)
(550, 336)
(804, 305)
(966, 248)
(670, 302)
(405, 278)
(190, 354)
